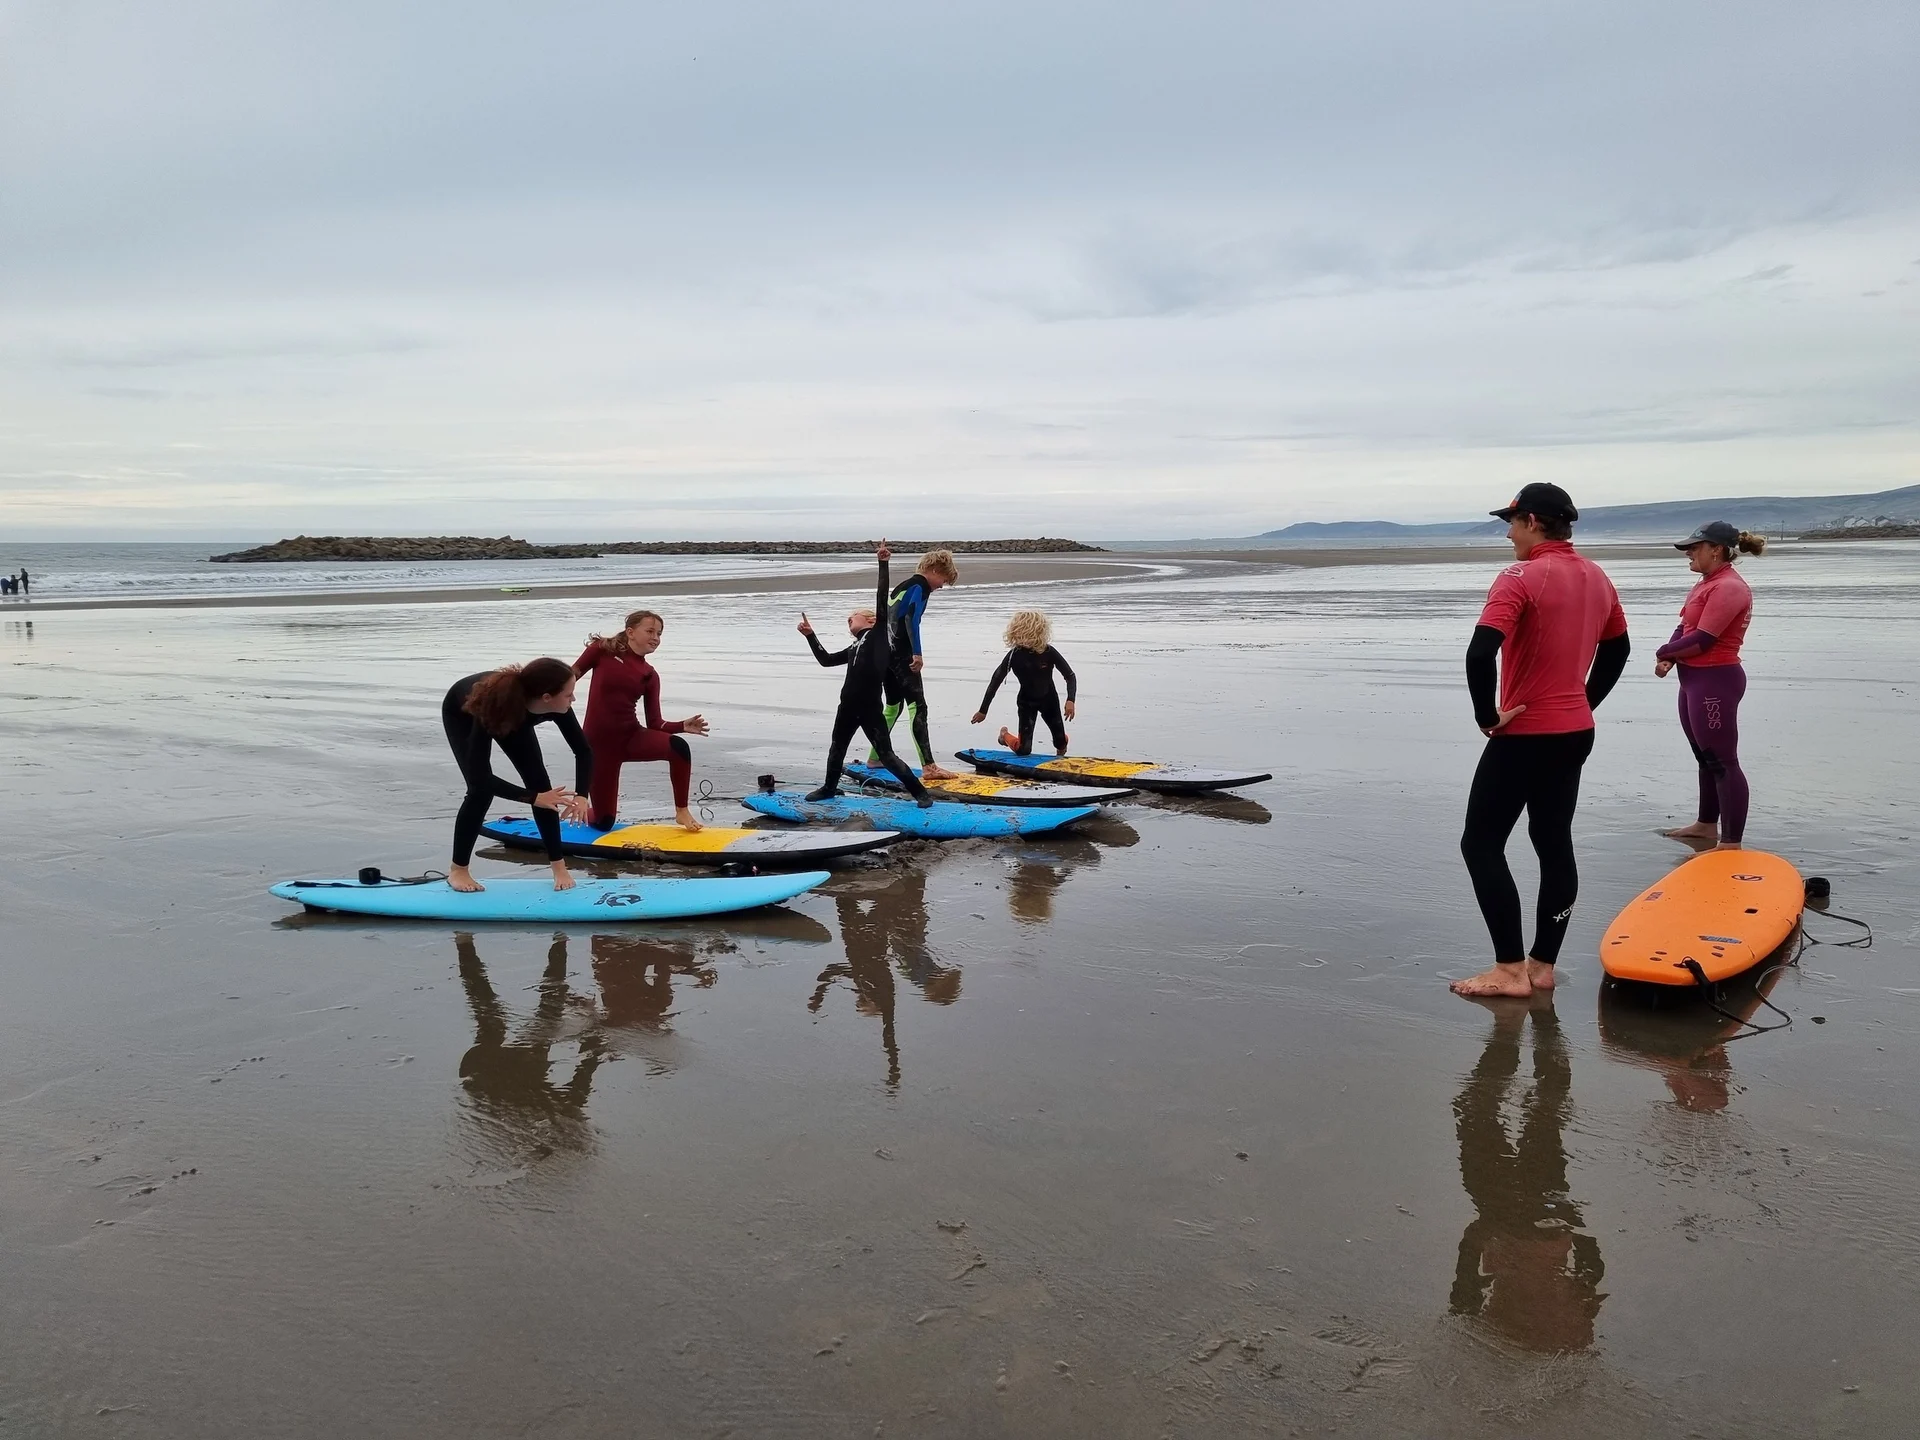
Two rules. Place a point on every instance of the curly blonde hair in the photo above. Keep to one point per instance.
(1029, 630)
(940, 562)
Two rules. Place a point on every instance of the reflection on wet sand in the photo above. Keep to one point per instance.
(1526, 1266)
(1216, 806)
(1681, 1037)
(1035, 875)
(881, 929)
(508, 1072)
(635, 975)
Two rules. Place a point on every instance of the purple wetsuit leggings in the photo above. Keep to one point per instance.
(1710, 718)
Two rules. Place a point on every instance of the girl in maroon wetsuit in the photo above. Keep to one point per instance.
(625, 687)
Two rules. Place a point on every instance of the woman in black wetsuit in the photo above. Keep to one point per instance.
(503, 707)
(1032, 661)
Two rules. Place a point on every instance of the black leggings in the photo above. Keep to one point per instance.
(524, 751)
(1539, 774)
(867, 715)
(1045, 708)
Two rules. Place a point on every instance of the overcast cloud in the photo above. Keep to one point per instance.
(1102, 270)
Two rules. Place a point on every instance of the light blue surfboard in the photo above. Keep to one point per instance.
(535, 900)
(943, 820)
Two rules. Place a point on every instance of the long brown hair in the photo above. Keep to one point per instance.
(499, 700)
(1750, 544)
(617, 644)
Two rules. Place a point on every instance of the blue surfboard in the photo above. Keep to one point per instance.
(942, 820)
(536, 901)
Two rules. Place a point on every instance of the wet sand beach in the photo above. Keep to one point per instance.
(1165, 1127)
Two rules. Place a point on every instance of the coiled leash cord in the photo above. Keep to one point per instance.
(1817, 888)
(370, 875)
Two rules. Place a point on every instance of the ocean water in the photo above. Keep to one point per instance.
(1168, 1126)
(175, 571)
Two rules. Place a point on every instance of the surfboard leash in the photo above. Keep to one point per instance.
(1817, 888)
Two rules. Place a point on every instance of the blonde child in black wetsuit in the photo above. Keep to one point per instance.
(1032, 661)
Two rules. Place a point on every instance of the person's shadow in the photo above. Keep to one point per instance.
(508, 1072)
(882, 932)
(1527, 1267)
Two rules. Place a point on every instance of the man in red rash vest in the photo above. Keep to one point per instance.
(1555, 623)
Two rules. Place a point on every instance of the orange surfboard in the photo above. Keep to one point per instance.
(1726, 910)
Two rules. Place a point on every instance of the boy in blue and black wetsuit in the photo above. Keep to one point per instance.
(906, 690)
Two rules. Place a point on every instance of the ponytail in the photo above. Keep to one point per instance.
(1752, 544)
(499, 700)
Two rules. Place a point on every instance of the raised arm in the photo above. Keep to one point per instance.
(1059, 662)
(999, 678)
(820, 653)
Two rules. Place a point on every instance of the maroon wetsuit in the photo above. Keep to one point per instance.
(624, 687)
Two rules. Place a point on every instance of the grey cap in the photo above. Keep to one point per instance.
(1717, 532)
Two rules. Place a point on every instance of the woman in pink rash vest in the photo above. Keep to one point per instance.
(1706, 647)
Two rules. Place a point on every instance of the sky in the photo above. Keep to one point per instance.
(1114, 271)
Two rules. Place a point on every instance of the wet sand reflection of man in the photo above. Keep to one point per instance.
(1526, 1266)
(891, 930)
(508, 1077)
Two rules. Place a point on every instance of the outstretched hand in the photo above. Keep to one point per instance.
(805, 627)
(694, 725)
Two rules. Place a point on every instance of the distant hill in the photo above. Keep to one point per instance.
(1768, 514)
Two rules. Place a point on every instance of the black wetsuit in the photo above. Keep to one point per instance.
(867, 660)
(473, 748)
(1038, 700)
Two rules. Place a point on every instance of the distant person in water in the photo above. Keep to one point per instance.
(867, 660)
(626, 687)
(1706, 647)
(906, 687)
(1554, 624)
(505, 707)
(1032, 661)
(24, 587)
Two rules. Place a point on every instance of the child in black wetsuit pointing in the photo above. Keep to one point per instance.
(1032, 660)
(862, 704)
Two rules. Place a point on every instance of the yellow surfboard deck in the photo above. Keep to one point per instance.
(1726, 910)
(672, 837)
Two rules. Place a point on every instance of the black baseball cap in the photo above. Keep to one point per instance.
(1717, 532)
(1549, 502)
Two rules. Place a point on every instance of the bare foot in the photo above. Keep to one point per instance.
(935, 772)
(1540, 975)
(683, 817)
(1699, 830)
(1509, 980)
(460, 878)
(1728, 845)
(562, 877)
